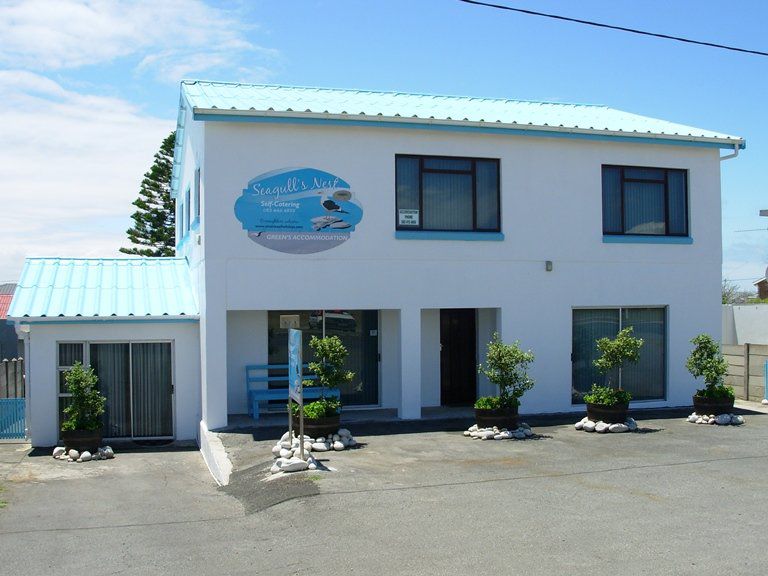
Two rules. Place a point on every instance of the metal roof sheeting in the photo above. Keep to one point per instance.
(271, 100)
(117, 287)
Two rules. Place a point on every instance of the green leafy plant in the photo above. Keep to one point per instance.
(506, 366)
(87, 403)
(328, 366)
(706, 360)
(614, 355)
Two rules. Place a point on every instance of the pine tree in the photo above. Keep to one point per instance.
(154, 222)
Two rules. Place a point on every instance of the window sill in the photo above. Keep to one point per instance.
(429, 235)
(640, 239)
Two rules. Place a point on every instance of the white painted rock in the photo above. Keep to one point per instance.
(579, 425)
(618, 427)
(601, 427)
(723, 419)
(294, 465)
(528, 432)
(699, 420)
(589, 426)
(106, 453)
(275, 469)
(351, 442)
(488, 435)
(312, 466)
(59, 451)
(85, 456)
(473, 428)
(711, 421)
(498, 436)
(320, 447)
(286, 437)
(466, 433)
(518, 435)
(74, 454)
(276, 450)
(338, 446)
(307, 446)
(737, 420)
(336, 438)
(287, 445)
(631, 424)
(764, 402)
(285, 453)
(344, 432)
(693, 417)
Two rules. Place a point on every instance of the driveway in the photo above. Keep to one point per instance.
(676, 498)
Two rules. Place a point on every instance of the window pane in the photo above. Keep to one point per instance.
(62, 381)
(152, 383)
(611, 200)
(645, 380)
(70, 353)
(408, 185)
(64, 401)
(111, 364)
(678, 205)
(447, 164)
(588, 327)
(644, 173)
(447, 200)
(197, 193)
(644, 208)
(487, 194)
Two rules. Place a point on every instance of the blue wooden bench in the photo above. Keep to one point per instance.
(256, 395)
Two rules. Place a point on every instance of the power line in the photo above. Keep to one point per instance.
(611, 27)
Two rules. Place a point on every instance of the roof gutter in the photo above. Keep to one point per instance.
(733, 155)
(255, 115)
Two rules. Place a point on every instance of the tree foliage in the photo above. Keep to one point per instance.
(707, 360)
(87, 403)
(506, 366)
(154, 222)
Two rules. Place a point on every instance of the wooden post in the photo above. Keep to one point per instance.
(746, 372)
(4, 379)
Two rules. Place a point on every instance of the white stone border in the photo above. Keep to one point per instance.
(522, 432)
(587, 425)
(215, 455)
(288, 450)
(720, 419)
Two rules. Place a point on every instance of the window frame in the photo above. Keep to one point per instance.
(471, 172)
(623, 179)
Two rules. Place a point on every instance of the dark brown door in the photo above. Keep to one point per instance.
(458, 357)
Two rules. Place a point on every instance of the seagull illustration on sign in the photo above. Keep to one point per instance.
(330, 205)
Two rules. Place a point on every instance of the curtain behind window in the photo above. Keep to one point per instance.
(152, 384)
(645, 380)
(447, 200)
(111, 365)
(588, 327)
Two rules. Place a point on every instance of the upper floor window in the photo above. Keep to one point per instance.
(197, 194)
(645, 201)
(447, 194)
(187, 211)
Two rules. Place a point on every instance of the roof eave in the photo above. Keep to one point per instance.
(231, 114)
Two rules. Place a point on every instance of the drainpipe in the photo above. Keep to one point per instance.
(729, 156)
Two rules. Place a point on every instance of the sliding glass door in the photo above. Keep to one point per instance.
(645, 380)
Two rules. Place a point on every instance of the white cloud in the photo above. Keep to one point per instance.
(170, 38)
(70, 166)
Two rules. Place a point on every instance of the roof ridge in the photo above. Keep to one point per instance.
(392, 93)
(116, 259)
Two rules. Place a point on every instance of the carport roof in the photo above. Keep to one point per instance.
(104, 287)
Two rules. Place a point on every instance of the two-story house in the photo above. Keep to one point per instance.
(412, 226)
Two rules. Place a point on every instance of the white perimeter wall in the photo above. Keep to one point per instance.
(550, 210)
(745, 324)
(42, 386)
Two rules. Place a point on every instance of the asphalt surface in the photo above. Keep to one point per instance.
(676, 498)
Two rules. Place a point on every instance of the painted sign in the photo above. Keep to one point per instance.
(408, 217)
(295, 369)
(298, 210)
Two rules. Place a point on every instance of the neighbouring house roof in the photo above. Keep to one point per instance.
(5, 302)
(759, 281)
(101, 287)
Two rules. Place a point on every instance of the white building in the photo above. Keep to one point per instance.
(416, 226)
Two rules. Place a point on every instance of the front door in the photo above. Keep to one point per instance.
(458, 357)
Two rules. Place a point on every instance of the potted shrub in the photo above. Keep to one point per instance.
(505, 366)
(322, 416)
(607, 402)
(82, 425)
(706, 360)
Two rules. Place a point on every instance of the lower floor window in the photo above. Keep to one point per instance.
(645, 380)
(358, 331)
(135, 377)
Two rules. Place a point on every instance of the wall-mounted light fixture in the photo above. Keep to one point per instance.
(548, 265)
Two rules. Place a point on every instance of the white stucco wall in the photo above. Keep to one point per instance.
(745, 324)
(550, 210)
(246, 344)
(42, 386)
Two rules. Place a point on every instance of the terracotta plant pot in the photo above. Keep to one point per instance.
(501, 418)
(318, 427)
(82, 439)
(616, 414)
(714, 406)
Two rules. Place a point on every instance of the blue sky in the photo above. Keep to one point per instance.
(89, 89)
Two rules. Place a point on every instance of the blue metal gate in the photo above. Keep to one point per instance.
(12, 420)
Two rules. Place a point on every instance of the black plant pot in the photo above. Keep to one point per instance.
(714, 406)
(317, 427)
(500, 417)
(615, 414)
(82, 439)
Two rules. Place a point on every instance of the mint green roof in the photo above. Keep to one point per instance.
(101, 287)
(288, 101)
